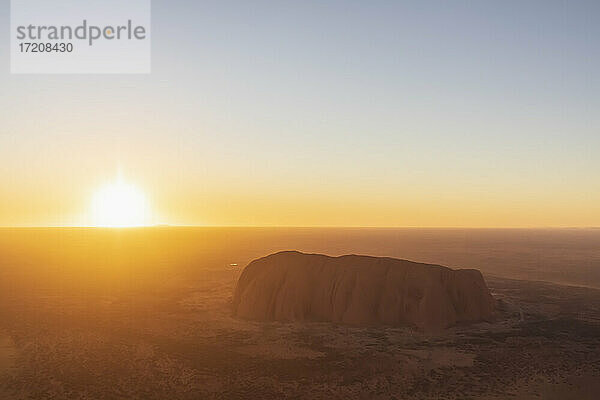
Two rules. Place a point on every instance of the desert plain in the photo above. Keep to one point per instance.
(146, 313)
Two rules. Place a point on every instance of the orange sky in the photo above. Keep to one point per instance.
(373, 114)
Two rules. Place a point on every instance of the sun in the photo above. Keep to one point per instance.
(120, 204)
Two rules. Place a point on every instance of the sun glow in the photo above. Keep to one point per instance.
(120, 204)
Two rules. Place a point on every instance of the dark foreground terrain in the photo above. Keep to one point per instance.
(183, 344)
(127, 327)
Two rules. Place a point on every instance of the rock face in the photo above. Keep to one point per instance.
(360, 290)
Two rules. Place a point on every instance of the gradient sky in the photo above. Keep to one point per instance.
(306, 113)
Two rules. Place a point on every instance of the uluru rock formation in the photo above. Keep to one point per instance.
(360, 290)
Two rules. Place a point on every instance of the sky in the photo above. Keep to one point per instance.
(322, 113)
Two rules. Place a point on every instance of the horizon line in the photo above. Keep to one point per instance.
(292, 227)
